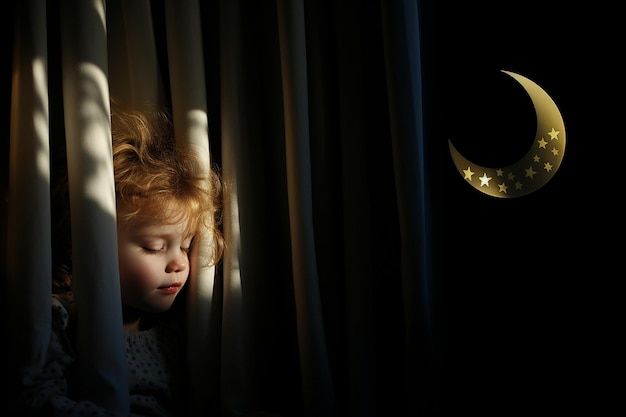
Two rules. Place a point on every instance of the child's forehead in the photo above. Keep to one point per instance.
(165, 230)
(141, 228)
(150, 213)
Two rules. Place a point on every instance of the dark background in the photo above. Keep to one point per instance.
(529, 283)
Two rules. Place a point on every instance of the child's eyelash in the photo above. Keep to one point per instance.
(150, 251)
(155, 251)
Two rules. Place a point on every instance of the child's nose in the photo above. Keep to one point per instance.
(177, 263)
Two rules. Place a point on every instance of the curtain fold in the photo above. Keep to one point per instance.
(404, 79)
(357, 104)
(28, 260)
(317, 383)
(189, 107)
(101, 366)
(234, 387)
(135, 74)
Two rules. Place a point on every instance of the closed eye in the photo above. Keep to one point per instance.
(151, 251)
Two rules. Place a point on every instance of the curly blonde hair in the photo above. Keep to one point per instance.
(155, 178)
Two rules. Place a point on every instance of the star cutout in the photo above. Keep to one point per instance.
(499, 172)
(502, 188)
(511, 176)
(530, 173)
(484, 180)
(542, 143)
(468, 173)
(554, 134)
(555, 151)
(547, 166)
(518, 185)
(536, 158)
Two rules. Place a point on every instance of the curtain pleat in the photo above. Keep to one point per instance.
(356, 104)
(101, 367)
(235, 387)
(317, 383)
(135, 77)
(401, 25)
(29, 264)
(189, 107)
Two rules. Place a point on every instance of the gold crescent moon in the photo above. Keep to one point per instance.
(534, 169)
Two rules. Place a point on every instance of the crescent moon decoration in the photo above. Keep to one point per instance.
(534, 169)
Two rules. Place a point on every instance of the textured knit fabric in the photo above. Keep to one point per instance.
(155, 371)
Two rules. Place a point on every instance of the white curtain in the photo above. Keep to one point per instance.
(323, 305)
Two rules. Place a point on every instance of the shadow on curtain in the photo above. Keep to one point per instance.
(327, 303)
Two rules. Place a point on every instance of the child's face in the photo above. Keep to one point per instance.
(154, 264)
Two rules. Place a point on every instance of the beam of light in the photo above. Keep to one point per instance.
(40, 119)
(98, 6)
(197, 134)
(233, 237)
(98, 176)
